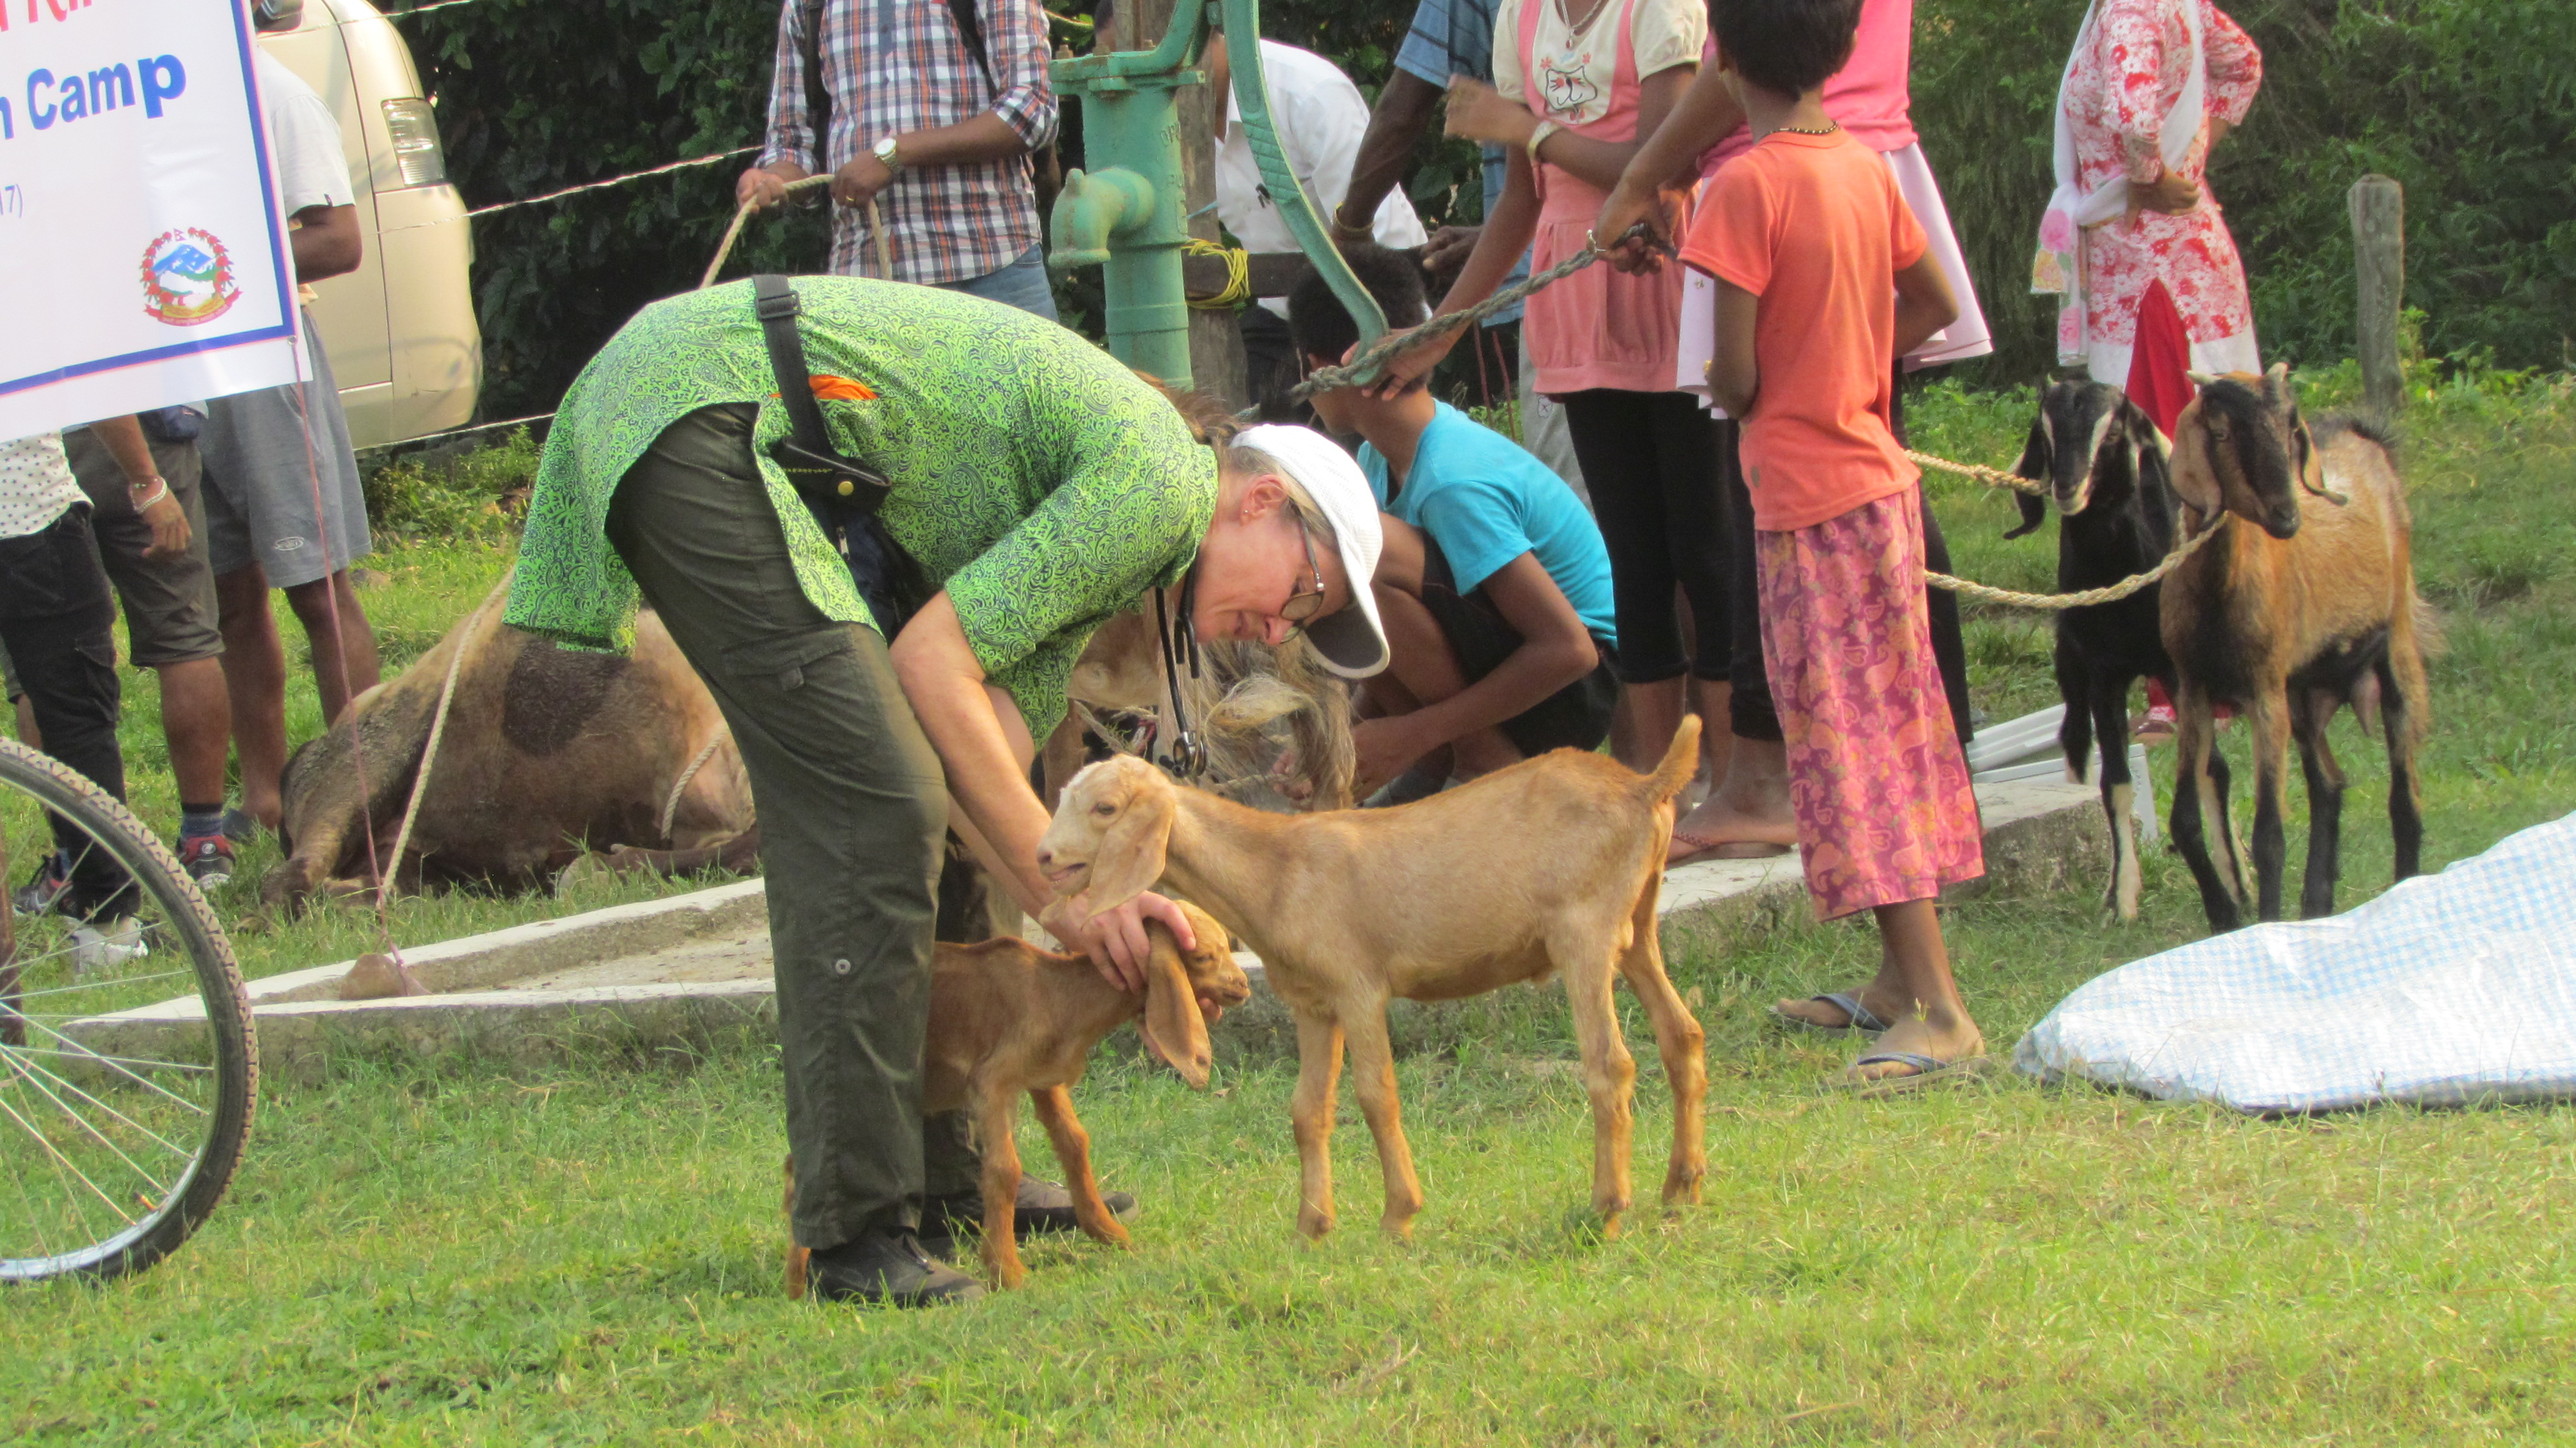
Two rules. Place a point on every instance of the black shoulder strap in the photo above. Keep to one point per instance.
(824, 477)
(970, 29)
(818, 93)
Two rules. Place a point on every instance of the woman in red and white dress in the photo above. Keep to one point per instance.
(2132, 238)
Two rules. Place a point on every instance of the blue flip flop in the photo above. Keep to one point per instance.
(1862, 1017)
(1928, 1070)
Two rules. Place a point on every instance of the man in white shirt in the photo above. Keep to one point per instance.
(1320, 118)
(284, 510)
(58, 622)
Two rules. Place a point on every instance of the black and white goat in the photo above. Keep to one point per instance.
(2106, 466)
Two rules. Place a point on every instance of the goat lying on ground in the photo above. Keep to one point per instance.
(1007, 1017)
(2306, 603)
(1551, 865)
(2106, 465)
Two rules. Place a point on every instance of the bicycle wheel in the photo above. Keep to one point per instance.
(119, 1127)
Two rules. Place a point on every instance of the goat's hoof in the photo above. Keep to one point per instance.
(1682, 1191)
(1313, 1228)
(1400, 1228)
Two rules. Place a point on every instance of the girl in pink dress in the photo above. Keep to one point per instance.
(2150, 87)
(1578, 84)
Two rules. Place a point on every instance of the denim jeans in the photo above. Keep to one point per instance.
(1022, 284)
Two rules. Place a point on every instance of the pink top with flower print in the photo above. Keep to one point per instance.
(2120, 89)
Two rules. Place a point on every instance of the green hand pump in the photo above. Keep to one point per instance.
(1123, 210)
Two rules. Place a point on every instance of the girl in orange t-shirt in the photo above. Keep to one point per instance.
(1822, 278)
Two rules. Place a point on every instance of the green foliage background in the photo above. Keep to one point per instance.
(2469, 103)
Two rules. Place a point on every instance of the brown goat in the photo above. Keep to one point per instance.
(2305, 603)
(1551, 865)
(1007, 1017)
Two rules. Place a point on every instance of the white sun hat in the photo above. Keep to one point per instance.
(1351, 641)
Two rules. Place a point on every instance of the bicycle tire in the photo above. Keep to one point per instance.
(185, 921)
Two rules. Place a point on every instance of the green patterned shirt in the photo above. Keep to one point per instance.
(1038, 480)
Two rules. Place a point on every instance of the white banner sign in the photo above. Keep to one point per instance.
(143, 257)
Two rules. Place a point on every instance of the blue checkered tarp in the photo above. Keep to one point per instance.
(2451, 988)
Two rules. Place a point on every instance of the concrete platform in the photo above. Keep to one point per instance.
(683, 973)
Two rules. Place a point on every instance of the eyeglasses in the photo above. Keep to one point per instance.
(1301, 605)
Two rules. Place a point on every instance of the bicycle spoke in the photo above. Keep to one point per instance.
(124, 980)
(62, 1162)
(84, 1123)
(119, 1060)
(87, 1054)
(32, 1070)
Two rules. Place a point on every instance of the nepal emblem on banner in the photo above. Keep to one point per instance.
(188, 277)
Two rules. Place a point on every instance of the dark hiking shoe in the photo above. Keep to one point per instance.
(890, 1269)
(208, 859)
(45, 889)
(1040, 1206)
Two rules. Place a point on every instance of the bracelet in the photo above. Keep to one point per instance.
(160, 490)
(1539, 135)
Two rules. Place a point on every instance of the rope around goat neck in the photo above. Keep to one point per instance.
(2110, 593)
(1991, 477)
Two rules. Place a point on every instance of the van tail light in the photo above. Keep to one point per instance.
(416, 153)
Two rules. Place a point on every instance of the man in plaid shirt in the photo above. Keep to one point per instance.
(941, 142)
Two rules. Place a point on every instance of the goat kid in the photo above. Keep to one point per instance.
(1549, 866)
(2307, 603)
(2106, 465)
(1007, 1018)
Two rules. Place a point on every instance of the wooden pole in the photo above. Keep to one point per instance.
(2378, 207)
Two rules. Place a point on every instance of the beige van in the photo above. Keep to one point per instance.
(400, 329)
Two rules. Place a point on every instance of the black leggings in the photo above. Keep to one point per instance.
(1750, 713)
(1650, 460)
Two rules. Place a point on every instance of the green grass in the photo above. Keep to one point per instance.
(447, 1252)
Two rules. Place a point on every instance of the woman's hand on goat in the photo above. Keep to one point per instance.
(1115, 938)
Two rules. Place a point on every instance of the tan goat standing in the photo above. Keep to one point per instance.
(1550, 866)
(2306, 601)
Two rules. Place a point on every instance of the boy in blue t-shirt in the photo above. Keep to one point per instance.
(1493, 582)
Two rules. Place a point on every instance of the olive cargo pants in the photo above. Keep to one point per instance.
(853, 810)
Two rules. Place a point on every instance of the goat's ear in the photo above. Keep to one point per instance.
(2034, 465)
(2189, 468)
(1130, 857)
(2034, 511)
(2201, 379)
(1172, 1026)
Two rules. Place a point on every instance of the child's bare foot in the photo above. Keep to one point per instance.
(1948, 1045)
(1746, 815)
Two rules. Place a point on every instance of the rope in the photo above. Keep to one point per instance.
(1992, 477)
(1238, 275)
(2052, 602)
(1327, 378)
(671, 806)
(420, 781)
(457, 431)
(724, 248)
(613, 180)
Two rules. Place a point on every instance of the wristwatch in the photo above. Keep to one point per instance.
(884, 150)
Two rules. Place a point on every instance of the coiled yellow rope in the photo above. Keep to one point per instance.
(1238, 275)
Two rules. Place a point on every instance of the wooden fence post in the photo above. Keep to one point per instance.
(2378, 207)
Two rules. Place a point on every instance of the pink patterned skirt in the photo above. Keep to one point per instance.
(1885, 813)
